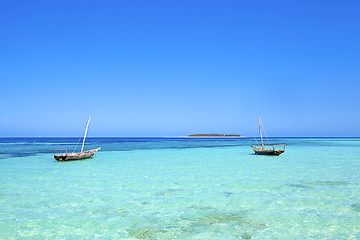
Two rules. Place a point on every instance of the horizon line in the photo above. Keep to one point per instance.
(174, 137)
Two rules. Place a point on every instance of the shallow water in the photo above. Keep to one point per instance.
(163, 188)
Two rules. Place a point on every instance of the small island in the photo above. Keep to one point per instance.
(215, 135)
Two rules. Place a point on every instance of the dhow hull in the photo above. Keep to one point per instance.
(74, 157)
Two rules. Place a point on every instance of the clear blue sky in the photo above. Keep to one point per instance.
(167, 68)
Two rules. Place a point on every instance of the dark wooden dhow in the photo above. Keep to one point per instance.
(74, 155)
(267, 149)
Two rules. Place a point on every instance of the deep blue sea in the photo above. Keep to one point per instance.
(180, 188)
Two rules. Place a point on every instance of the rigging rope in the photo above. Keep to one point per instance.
(254, 137)
(78, 141)
(266, 136)
(77, 144)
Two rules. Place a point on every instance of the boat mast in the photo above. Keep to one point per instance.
(262, 143)
(87, 125)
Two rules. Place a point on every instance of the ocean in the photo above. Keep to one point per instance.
(180, 188)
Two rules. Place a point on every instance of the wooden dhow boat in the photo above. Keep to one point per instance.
(74, 155)
(267, 149)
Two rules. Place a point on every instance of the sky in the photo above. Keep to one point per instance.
(179, 67)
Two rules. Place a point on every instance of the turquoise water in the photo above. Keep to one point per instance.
(159, 188)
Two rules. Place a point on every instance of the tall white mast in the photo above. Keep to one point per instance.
(262, 143)
(87, 125)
